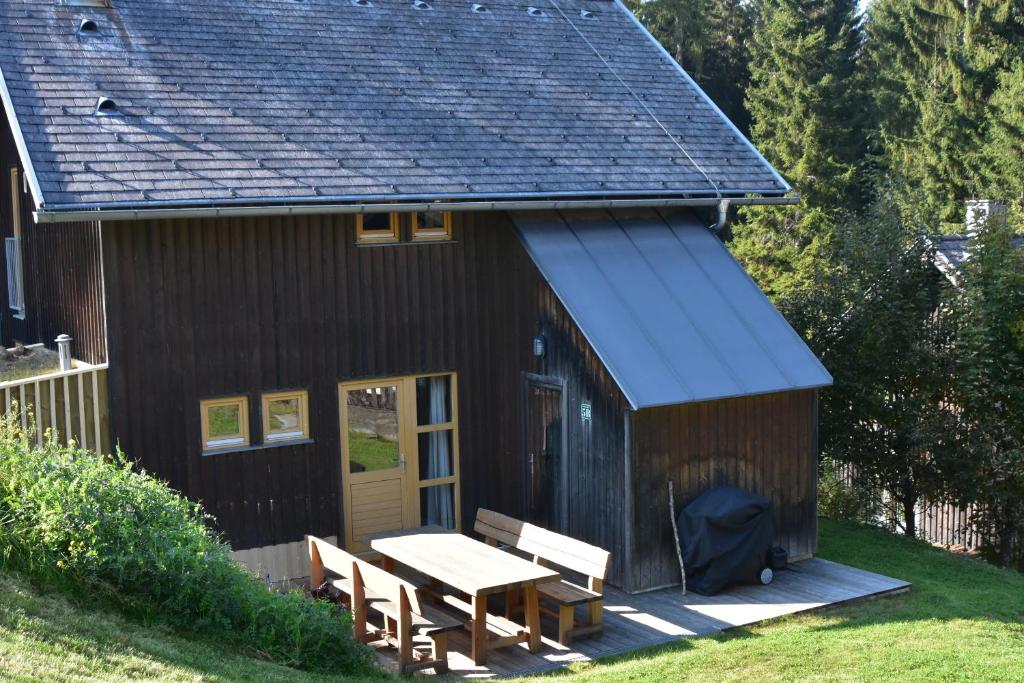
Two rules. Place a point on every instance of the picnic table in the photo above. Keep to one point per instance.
(478, 570)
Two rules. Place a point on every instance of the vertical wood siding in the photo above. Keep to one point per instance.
(765, 444)
(216, 307)
(61, 273)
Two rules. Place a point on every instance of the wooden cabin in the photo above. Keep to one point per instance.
(358, 266)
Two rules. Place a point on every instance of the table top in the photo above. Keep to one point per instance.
(463, 563)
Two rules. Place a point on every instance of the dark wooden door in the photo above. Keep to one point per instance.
(545, 444)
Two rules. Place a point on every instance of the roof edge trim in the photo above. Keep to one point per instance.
(58, 214)
(732, 126)
(726, 397)
(19, 142)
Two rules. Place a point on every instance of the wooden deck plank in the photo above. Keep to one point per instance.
(643, 620)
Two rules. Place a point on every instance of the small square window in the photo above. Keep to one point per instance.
(285, 416)
(375, 228)
(432, 225)
(225, 422)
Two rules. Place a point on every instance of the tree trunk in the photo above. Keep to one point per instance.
(908, 501)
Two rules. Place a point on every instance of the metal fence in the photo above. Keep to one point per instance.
(15, 286)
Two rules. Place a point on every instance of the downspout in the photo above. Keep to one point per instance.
(723, 218)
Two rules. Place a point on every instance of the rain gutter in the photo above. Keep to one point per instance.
(62, 215)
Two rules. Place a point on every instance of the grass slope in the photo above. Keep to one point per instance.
(963, 620)
(48, 637)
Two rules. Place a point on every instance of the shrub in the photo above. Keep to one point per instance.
(99, 525)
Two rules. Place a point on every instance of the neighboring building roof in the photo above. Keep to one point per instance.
(257, 101)
(672, 315)
(952, 252)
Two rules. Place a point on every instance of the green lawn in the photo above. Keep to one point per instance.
(962, 620)
(371, 452)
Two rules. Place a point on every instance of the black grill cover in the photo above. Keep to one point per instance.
(726, 535)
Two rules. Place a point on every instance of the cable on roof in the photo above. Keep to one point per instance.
(639, 101)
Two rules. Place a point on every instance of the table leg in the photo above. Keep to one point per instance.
(479, 629)
(531, 605)
(387, 563)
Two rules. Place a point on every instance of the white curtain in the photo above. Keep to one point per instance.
(440, 508)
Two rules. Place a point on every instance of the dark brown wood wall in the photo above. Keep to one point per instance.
(217, 307)
(62, 274)
(766, 444)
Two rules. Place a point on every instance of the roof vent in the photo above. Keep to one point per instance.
(88, 27)
(362, 3)
(536, 12)
(420, 4)
(587, 14)
(106, 107)
(480, 9)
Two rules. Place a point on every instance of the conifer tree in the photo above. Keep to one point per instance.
(803, 102)
(1003, 149)
(935, 64)
(709, 39)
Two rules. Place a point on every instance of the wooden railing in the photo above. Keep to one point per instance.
(72, 403)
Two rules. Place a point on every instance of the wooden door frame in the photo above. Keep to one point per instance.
(559, 384)
(408, 439)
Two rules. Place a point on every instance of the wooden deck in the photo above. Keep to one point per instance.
(638, 621)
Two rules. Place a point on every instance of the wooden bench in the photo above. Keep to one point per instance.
(407, 619)
(547, 547)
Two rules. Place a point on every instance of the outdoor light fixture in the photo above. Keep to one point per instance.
(539, 345)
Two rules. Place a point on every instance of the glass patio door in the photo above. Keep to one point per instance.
(399, 455)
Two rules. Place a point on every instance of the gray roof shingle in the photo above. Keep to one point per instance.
(304, 100)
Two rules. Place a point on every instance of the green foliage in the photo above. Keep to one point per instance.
(1003, 151)
(889, 357)
(709, 38)
(803, 102)
(934, 67)
(838, 499)
(989, 389)
(96, 525)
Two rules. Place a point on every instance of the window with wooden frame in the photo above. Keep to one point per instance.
(432, 225)
(285, 416)
(377, 228)
(225, 422)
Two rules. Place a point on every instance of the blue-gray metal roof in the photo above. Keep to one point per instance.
(258, 101)
(672, 315)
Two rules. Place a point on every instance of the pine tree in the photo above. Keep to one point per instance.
(803, 102)
(1003, 149)
(935, 64)
(709, 39)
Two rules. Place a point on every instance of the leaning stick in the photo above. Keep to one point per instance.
(675, 533)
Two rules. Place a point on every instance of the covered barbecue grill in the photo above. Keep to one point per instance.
(726, 537)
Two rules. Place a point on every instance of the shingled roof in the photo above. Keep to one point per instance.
(263, 101)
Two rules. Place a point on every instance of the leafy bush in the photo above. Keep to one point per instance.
(839, 500)
(100, 526)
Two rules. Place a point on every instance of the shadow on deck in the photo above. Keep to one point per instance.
(639, 621)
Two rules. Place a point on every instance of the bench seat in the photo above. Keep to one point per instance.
(565, 593)
(431, 622)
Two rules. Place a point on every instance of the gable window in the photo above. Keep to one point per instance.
(377, 228)
(285, 416)
(225, 422)
(12, 247)
(432, 225)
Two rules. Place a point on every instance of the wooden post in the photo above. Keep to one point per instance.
(479, 647)
(404, 631)
(358, 605)
(439, 652)
(596, 608)
(316, 565)
(531, 600)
